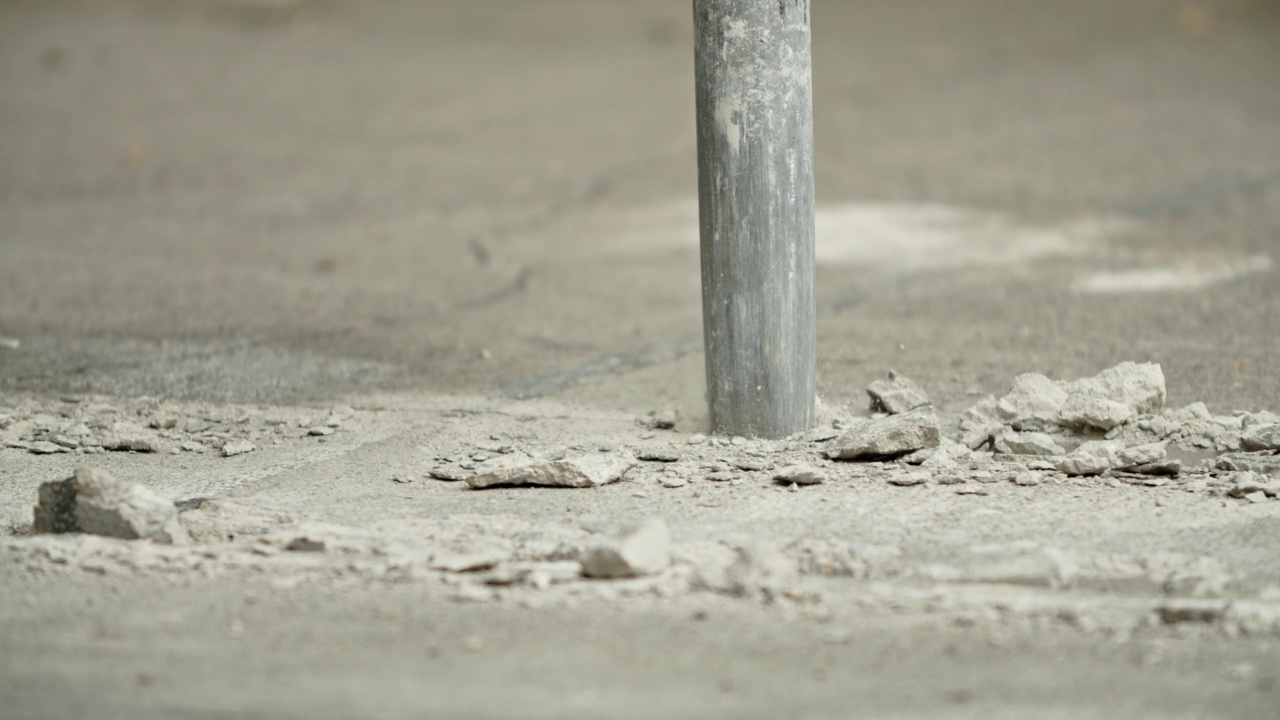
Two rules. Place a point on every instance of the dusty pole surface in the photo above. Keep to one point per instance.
(755, 196)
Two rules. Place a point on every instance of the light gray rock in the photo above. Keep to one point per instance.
(947, 456)
(1172, 468)
(94, 502)
(978, 436)
(889, 436)
(1091, 458)
(800, 475)
(1011, 442)
(1140, 386)
(214, 520)
(909, 479)
(896, 395)
(1261, 437)
(1104, 401)
(1246, 483)
(237, 447)
(579, 472)
(644, 549)
(1032, 403)
(1140, 455)
(1084, 411)
(44, 447)
(131, 443)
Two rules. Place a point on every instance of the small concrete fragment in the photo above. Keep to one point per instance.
(1260, 438)
(94, 502)
(579, 472)
(909, 479)
(1011, 442)
(800, 475)
(644, 549)
(896, 395)
(888, 437)
(237, 447)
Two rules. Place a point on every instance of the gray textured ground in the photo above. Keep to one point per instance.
(464, 220)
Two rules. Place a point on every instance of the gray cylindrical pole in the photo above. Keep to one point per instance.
(755, 197)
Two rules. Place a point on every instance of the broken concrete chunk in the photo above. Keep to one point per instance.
(1261, 437)
(888, 437)
(1140, 455)
(644, 549)
(1140, 386)
(94, 502)
(131, 443)
(1084, 411)
(1105, 401)
(800, 475)
(1011, 442)
(1032, 403)
(896, 395)
(579, 472)
(1091, 458)
(237, 447)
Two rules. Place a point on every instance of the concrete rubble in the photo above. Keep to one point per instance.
(644, 549)
(896, 395)
(584, 471)
(1035, 440)
(888, 437)
(94, 502)
(800, 475)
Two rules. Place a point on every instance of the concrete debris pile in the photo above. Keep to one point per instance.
(1115, 420)
(95, 425)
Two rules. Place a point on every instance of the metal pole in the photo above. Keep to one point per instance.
(755, 197)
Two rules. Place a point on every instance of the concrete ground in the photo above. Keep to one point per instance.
(475, 223)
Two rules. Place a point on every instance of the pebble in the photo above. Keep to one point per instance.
(800, 475)
(673, 481)
(320, 431)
